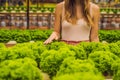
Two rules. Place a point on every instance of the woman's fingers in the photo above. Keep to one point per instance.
(56, 38)
(51, 38)
(48, 41)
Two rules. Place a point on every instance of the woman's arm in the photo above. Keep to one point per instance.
(94, 36)
(56, 34)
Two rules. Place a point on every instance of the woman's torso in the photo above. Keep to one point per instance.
(75, 32)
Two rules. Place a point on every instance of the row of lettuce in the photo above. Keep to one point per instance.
(41, 35)
(85, 61)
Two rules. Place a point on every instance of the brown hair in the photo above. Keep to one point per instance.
(70, 11)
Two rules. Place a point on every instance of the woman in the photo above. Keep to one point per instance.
(76, 21)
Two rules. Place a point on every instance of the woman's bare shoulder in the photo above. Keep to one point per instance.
(94, 6)
(60, 5)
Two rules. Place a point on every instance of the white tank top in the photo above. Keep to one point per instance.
(75, 32)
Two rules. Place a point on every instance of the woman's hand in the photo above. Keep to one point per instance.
(53, 36)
